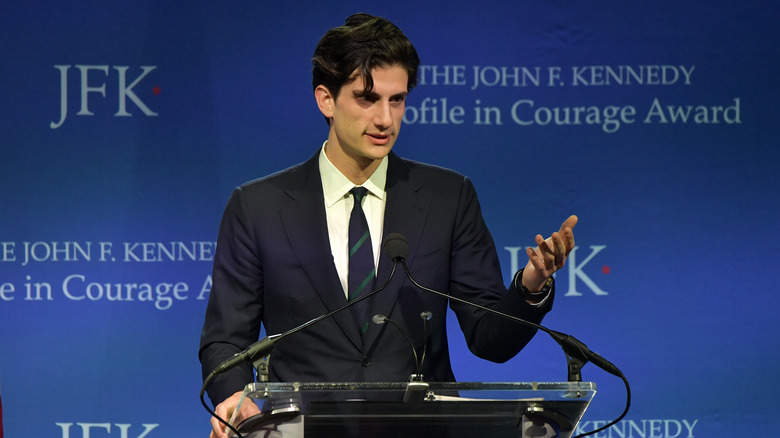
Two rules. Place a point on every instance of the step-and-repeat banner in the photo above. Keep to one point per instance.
(125, 126)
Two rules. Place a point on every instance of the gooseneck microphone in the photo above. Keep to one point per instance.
(381, 319)
(419, 361)
(571, 345)
(577, 353)
(264, 346)
(426, 316)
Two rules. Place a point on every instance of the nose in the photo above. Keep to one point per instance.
(383, 116)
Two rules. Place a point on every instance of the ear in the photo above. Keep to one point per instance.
(325, 100)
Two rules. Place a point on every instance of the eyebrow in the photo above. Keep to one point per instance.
(373, 95)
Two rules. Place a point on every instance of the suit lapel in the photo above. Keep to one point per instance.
(307, 231)
(405, 212)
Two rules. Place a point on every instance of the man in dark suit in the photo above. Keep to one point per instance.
(282, 254)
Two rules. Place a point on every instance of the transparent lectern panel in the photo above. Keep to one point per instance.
(411, 409)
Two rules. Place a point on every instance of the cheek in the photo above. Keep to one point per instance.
(349, 121)
(399, 117)
(343, 123)
(348, 131)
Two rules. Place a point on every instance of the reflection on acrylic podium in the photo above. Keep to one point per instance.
(413, 409)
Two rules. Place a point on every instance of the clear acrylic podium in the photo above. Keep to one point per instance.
(413, 409)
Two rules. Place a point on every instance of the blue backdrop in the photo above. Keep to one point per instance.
(125, 126)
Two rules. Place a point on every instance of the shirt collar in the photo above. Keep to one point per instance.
(335, 185)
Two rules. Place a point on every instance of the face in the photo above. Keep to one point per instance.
(363, 129)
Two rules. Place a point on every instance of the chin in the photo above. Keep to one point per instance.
(380, 152)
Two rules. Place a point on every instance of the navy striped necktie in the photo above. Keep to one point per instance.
(361, 271)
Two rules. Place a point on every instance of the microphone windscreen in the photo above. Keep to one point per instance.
(379, 319)
(396, 246)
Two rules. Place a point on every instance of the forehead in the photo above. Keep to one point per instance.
(388, 81)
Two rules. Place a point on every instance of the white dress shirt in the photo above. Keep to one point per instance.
(338, 206)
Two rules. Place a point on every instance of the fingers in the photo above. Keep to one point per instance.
(567, 233)
(546, 252)
(224, 410)
(559, 256)
(217, 429)
(542, 257)
(536, 259)
(569, 240)
(550, 254)
(553, 251)
(570, 222)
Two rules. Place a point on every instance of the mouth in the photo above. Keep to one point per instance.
(379, 139)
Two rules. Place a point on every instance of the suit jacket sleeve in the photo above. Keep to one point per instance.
(475, 275)
(235, 307)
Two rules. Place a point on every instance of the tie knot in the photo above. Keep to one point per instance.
(358, 193)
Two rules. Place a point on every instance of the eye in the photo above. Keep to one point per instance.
(400, 98)
(397, 101)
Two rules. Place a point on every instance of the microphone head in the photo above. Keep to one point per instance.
(379, 319)
(396, 246)
(427, 315)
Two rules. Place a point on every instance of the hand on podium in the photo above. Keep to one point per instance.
(227, 409)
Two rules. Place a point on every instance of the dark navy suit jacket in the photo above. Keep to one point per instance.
(273, 265)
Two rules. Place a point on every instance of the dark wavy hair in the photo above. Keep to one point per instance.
(363, 43)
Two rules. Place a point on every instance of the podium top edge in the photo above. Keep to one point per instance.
(443, 386)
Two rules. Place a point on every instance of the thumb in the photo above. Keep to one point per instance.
(570, 222)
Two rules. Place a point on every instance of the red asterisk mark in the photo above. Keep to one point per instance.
(156, 90)
(606, 270)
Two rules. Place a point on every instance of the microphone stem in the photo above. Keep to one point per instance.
(574, 349)
(408, 338)
(356, 300)
(478, 306)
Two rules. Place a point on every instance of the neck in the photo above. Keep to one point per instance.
(357, 170)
